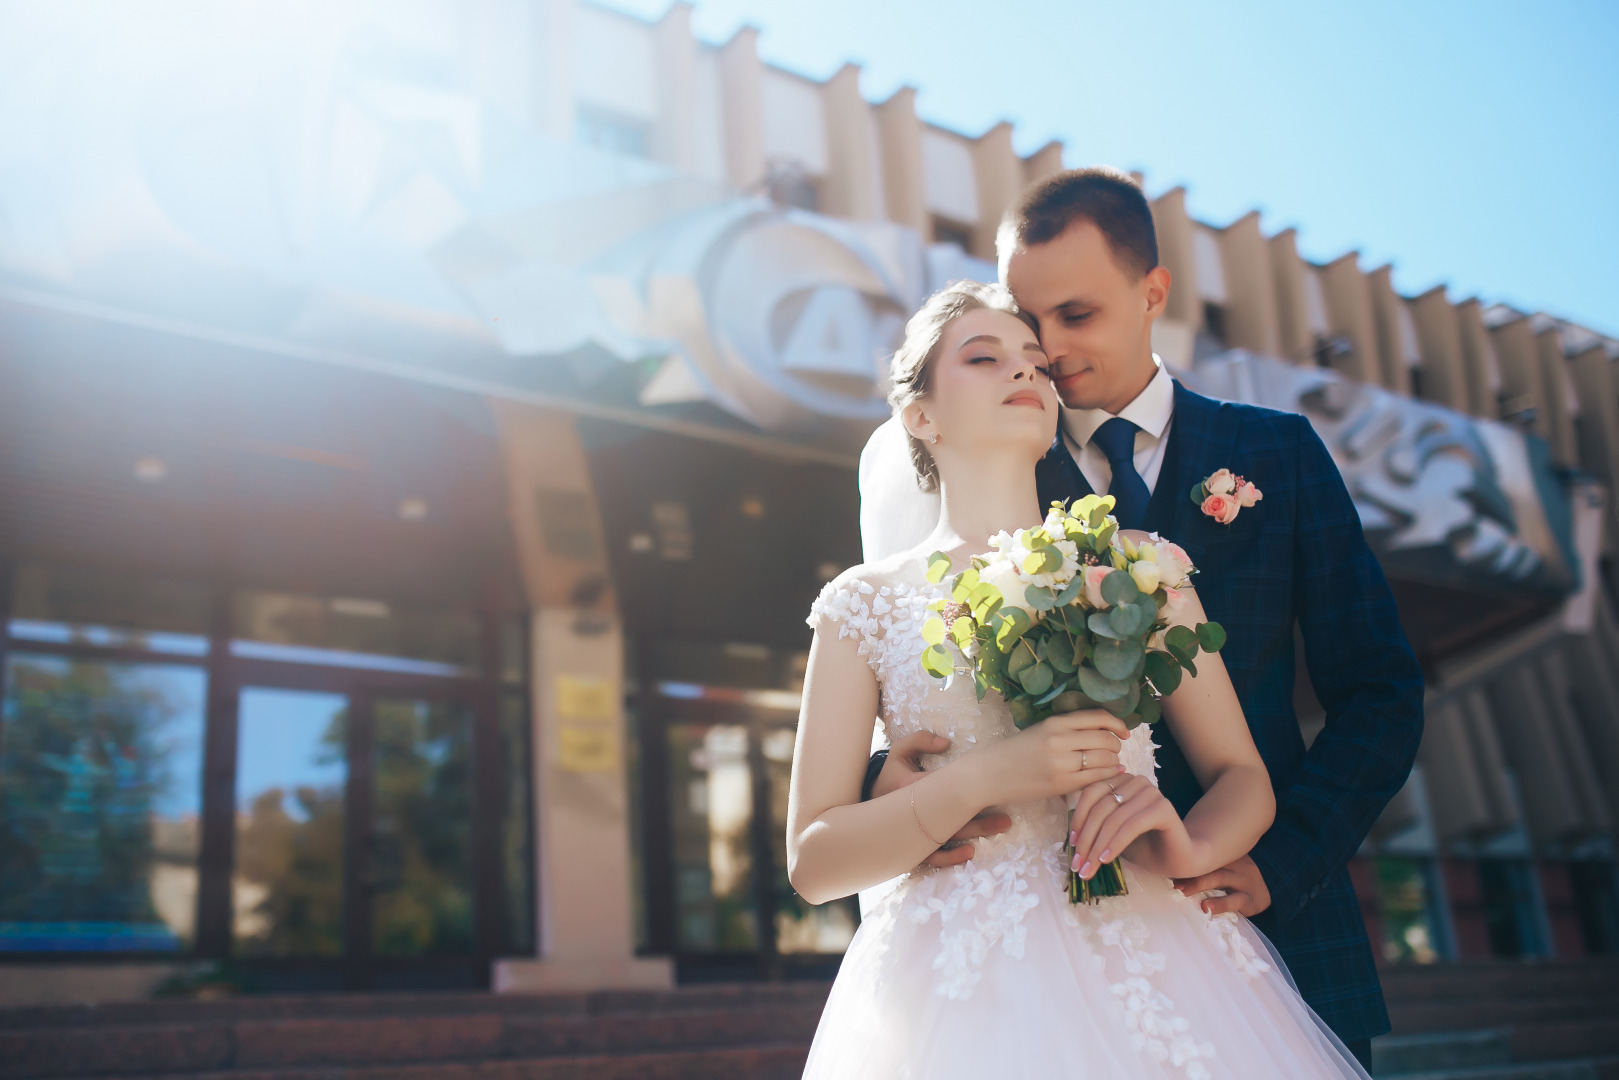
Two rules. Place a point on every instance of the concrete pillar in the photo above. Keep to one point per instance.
(1292, 309)
(1349, 312)
(1595, 690)
(1445, 379)
(1522, 388)
(581, 795)
(1562, 406)
(899, 136)
(1251, 317)
(1480, 360)
(1175, 252)
(673, 135)
(1399, 354)
(1044, 162)
(999, 175)
(1461, 809)
(852, 187)
(742, 80)
(1524, 722)
(554, 53)
(1566, 731)
(1592, 374)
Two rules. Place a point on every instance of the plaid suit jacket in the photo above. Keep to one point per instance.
(1297, 556)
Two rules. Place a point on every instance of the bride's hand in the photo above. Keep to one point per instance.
(1114, 814)
(1054, 757)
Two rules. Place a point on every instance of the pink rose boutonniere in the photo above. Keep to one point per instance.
(1223, 495)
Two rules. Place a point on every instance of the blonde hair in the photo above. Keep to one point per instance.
(911, 370)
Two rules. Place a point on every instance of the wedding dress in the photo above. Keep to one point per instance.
(986, 970)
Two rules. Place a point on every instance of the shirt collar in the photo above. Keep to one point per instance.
(1150, 410)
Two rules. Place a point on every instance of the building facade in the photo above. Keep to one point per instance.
(413, 481)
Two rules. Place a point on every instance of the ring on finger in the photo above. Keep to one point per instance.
(1116, 796)
(1082, 762)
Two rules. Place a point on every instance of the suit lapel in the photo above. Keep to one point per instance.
(1198, 444)
(1057, 475)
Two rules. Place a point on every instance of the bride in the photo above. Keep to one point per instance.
(985, 968)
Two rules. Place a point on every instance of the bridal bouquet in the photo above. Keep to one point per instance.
(1070, 615)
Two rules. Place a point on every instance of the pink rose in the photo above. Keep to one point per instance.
(1174, 603)
(1222, 508)
(1221, 482)
(1247, 495)
(1173, 564)
(1093, 585)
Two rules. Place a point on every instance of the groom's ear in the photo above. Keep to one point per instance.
(1155, 290)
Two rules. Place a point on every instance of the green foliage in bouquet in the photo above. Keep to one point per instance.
(1090, 629)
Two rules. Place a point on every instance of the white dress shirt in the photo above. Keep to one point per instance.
(1151, 412)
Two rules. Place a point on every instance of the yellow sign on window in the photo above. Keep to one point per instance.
(586, 750)
(584, 697)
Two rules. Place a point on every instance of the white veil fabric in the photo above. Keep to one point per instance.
(895, 513)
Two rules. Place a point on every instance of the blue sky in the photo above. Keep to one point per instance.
(1475, 144)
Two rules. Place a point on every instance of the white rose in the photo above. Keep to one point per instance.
(1221, 482)
(1145, 575)
(1004, 576)
(1173, 564)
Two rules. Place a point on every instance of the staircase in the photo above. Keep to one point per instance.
(702, 1033)
(1502, 1021)
(1498, 1021)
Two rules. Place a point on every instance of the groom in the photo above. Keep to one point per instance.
(1079, 252)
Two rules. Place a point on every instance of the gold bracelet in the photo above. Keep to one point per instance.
(919, 825)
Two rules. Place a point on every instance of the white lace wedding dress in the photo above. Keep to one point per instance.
(986, 970)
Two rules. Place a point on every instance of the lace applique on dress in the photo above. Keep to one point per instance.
(888, 620)
(984, 909)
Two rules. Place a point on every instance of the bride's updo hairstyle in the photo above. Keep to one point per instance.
(911, 370)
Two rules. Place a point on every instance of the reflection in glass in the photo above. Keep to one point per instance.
(711, 809)
(800, 927)
(1405, 904)
(421, 855)
(515, 826)
(76, 605)
(100, 787)
(351, 632)
(1511, 907)
(291, 772)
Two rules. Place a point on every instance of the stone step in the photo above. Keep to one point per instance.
(1588, 1069)
(356, 1042)
(780, 1061)
(1394, 1054)
(1484, 979)
(1449, 1014)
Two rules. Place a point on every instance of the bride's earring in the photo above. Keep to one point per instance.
(933, 439)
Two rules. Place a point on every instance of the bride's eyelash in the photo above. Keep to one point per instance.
(982, 360)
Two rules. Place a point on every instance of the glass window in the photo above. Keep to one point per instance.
(711, 813)
(800, 926)
(1512, 912)
(421, 853)
(1405, 903)
(291, 775)
(77, 606)
(516, 839)
(100, 790)
(1596, 901)
(352, 632)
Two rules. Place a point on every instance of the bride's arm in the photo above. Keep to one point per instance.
(1237, 806)
(838, 845)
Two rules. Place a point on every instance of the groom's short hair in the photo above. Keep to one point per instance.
(1107, 198)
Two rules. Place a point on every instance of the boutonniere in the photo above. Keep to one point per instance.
(1223, 495)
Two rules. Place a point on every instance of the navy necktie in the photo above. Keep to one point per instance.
(1117, 440)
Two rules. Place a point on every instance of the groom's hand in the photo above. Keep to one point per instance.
(1245, 890)
(904, 767)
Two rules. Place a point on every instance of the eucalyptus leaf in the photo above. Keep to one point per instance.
(1117, 659)
(985, 601)
(1149, 709)
(933, 631)
(1164, 671)
(1101, 623)
(963, 631)
(1040, 598)
(1020, 659)
(980, 684)
(938, 566)
(1022, 713)
(1051, 695)
(1184, 658)
(936, 661)
(1124, 706)
(1105, 534)
(966, 582)
(1099, 688)
(1037, 679)
(1059, 649)
(1126, 621)
(1211, 636)
(1198, 493)
(1119, 588)
(1181, 638)
(1074, 588)
(1013, 623)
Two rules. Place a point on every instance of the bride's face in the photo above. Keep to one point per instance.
(990, 389)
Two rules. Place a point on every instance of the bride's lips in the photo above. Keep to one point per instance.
(1026, 398)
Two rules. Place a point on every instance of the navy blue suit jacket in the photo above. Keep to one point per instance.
(1296, 556)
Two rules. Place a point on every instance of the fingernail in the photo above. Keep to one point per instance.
(1121, 768)
(1085, 868)
(1107, 853)
(1073, 864)
(1073, 839)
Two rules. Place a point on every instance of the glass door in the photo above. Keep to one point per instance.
(355, 852)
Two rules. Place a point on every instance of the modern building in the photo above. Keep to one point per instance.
(422, 433)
